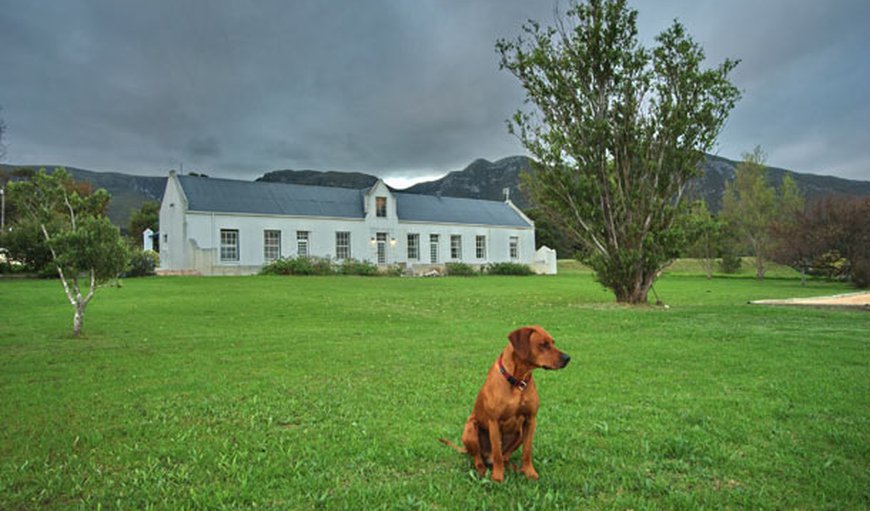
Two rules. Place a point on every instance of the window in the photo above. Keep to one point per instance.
(382, 248)
(515, 247)
(433, 248)
(342, 245)
(480, 247)
(271, 245)
(413, 247)
(229, 245)
(381, 206)
(455, 247)
(302, 243)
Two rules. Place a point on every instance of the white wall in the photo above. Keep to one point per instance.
(204, 232)
(174, 245)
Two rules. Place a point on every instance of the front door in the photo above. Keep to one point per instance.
(382, 248)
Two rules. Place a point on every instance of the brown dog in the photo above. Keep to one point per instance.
(504, 413)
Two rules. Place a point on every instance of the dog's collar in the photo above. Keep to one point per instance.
(513, 380)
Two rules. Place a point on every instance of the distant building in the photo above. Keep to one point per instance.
(226, 227)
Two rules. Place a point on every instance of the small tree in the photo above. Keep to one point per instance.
(146, 217)
(82, 241)
(800, 242)
(755, 210)
(749, 205)
(617, 132)
(705, 232)
(795, 243)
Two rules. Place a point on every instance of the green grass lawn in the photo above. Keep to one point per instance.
(331, 392)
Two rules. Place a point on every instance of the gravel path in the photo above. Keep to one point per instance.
(859, 300)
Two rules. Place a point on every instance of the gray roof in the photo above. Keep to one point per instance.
(257, 197)
(454, 210)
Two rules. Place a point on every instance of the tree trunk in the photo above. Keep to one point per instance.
(803, 276)
(759, 267)
(78, 318)
(636, 293)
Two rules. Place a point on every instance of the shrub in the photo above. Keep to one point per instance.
(355, 267)
(730, 263)
(509, 269)
(299, 266)
(142, 263)
(460, 270)
(394, 270)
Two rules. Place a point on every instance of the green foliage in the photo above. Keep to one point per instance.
(617, 132)
(755, 211)
(24, 243)
(299, 266)
(330, 393)
(323, 266)
(704, 232)
(141, 263)
(460, 270)
(93, 246)
(552, 234)
(730, 263)
(508, 269)
(71, 219)
(355, 267)
(11, 267)
(146, 217)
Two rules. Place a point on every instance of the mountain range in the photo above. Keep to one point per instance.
(482, 179)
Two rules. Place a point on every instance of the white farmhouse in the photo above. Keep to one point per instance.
(220, 226)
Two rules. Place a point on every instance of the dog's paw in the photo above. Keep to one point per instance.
(530, 473)
(497, 475)
(480, 468)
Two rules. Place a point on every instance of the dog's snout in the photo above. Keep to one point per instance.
(565, 359)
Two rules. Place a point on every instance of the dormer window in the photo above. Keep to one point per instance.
(381, 207)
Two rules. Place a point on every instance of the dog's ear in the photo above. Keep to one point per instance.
(519, 339)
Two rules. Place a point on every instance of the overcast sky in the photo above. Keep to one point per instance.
(399, 89)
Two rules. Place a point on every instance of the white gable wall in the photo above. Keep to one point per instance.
(174, 245)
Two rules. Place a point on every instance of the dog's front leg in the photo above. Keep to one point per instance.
(497, 455)
(528, 436)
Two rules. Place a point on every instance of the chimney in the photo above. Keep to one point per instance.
(506, 191)
(438, 193)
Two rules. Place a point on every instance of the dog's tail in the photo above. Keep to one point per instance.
(455, 447)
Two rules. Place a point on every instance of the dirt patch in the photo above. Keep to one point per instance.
(859, 301)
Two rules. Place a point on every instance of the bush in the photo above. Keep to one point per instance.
(460, 270)
(9, 267)
(509, 269)
(142, 263)
(299, 266)
(354, 267)
(730, 263)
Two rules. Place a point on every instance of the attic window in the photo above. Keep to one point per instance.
(381, 207)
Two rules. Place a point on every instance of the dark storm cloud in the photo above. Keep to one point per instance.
(388, 87)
